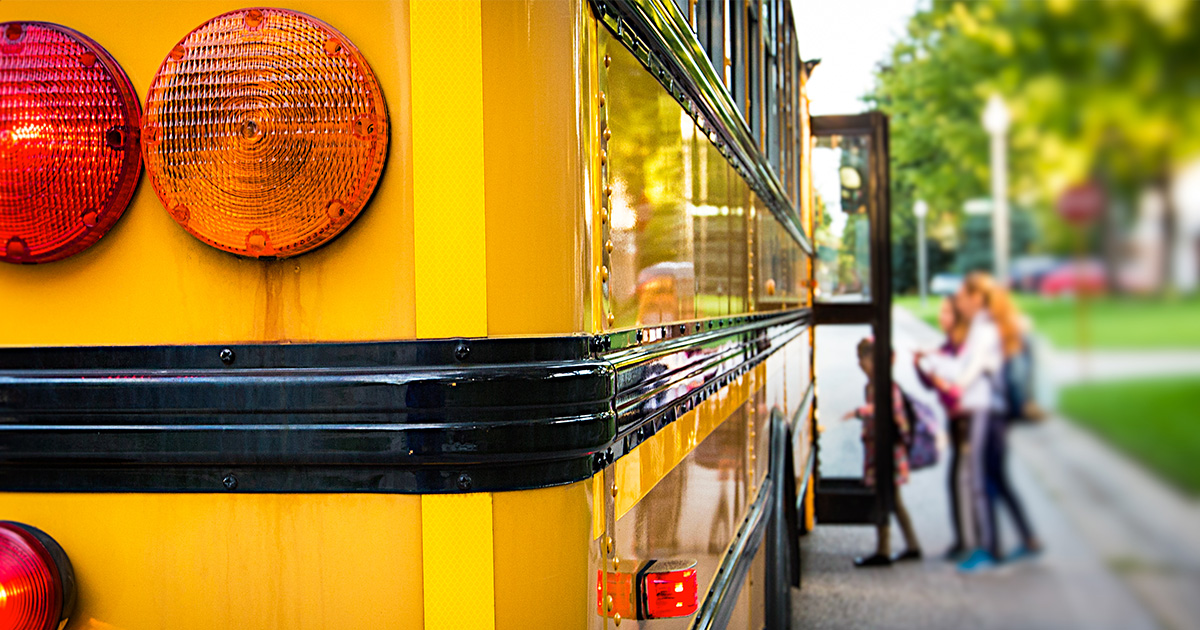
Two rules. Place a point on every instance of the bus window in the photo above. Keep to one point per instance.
(737, 54)
(771, 82)
(710, 28)
(754, 67)
(840, 188)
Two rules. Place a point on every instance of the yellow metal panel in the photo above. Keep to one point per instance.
(533, 135)
(448, 167)
(542, 545)
(456, 543)
(642, 468)
(149, 282)
(235, 562)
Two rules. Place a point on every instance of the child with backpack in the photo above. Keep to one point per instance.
(866, 413)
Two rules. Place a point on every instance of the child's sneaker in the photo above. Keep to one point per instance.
(1024, 552)
(978, 562)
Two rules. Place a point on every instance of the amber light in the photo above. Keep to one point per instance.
(265, 132)
(36, 580)
(69, 158)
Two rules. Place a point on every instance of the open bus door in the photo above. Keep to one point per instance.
(852, 301)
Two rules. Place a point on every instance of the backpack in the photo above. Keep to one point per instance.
(1017, 386)
(922, 437)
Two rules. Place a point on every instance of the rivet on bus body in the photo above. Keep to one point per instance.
(617, 619)
(608, 603)
(601, 98)
(604, 274)
(607, 60)
(230, 482)
(608, 191)
(464, 482)
(608, 246)
(607, 134)
(603, 156)
(603, 215)
(608, 545)
(226, 355)
(614, 493)
(611, 319)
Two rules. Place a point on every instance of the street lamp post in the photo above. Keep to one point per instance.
(920, 209)
(996, 121)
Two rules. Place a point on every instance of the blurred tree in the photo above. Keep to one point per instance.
(1104, 90)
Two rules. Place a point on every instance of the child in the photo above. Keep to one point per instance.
(935, 370)
(866, 413)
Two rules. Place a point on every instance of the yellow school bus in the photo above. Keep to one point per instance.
(403, 314)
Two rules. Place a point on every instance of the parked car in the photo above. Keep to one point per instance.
(1027, 272)
(1073, 278)
(945, 283)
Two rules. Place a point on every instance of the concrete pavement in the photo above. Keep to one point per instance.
(1122, 549)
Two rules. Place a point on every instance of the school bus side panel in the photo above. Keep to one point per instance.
(215, 561)
(149, 282)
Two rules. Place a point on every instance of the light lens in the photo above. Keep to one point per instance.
(670, 593)
(265, 132)
(31, 591)
(69, 158)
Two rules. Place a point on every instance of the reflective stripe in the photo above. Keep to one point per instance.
(457, 560)
(447, 136)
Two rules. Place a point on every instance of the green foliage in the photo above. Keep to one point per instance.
(1109, 323)
(1152, 420)
(1102, 89)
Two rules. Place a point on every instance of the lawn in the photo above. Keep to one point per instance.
(1112, 323)
(1154, 421)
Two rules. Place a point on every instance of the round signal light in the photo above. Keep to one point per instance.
(69, 127)
(265, 132)
(37, 584)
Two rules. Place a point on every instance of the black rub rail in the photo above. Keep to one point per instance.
(454, 415)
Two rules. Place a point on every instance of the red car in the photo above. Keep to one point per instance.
(1073, 278)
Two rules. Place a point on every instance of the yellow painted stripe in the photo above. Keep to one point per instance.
(642, 468)
(457, 560)
(447, 138)
(597, 504)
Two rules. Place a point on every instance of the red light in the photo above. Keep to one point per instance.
(32, 593)
(69, 158)
(670, 591)
(265, 132)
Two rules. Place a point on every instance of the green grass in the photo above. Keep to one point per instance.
(1111, 323)
(1154, 421)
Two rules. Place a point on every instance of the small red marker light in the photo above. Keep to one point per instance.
(657, 590)
(37, 584)
(668, 589)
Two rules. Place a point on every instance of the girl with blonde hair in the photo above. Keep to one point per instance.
(994, 336)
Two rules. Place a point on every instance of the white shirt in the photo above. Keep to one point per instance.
(979, 366)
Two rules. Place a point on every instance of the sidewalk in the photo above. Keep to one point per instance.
(1123, 551)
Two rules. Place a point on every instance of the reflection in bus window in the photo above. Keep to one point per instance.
(843, 234)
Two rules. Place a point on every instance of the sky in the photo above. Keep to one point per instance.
(850, 37)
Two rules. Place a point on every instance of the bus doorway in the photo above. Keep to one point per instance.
(852, 302)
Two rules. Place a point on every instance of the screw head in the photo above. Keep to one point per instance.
(227, 356)
(464, 482)
(230, 482)
(462, 352)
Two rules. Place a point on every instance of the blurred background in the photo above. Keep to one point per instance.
(1056, 144)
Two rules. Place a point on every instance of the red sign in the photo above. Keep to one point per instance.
(1081, 203)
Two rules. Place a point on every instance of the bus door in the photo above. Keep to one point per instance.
(852, 310)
